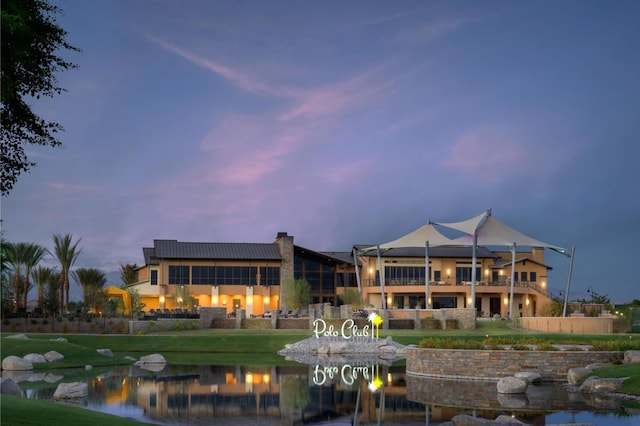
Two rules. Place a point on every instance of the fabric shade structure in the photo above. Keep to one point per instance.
(492, 232)
(425, 236)
(113, 291)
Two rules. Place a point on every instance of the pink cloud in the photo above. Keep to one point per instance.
(490, 154)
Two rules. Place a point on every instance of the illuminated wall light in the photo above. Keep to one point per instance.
(389, 300)
(370, 271)
(448, 271)
(161, 299)
(249, 378)
(486, 272)
(469, 300)
(506, 300)
(224, 302)
(527, 301)
(215, 300)
(250, 299)
(266, 299)
(544, 284)
(266, 378)
(389, 378)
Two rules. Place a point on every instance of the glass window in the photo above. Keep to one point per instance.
(178, 274)
(203, 275)
(437, 276)
(154, 277)
(523, 276)
(532, 277)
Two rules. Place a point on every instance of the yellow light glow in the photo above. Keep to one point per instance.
(429, 302)
(266, 299)
(370, 271)
(501, 272)
(389, 378)
(506, 300)
(249, 299)
(486, 272)
(448, 271)
(161, 299)
(527, 301)
(215, 300)
(224, 302)
(266, 378)
(544, 283)
(469, 300)
(249, 378)
(389, 300)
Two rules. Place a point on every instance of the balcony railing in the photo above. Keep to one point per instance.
(452, 282)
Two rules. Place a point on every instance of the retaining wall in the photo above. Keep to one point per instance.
(494, 364)
(574, 324)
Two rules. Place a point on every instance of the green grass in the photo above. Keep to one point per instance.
(17, 411)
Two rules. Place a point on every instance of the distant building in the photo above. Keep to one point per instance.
(250, 276)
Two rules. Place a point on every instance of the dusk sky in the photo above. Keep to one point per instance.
(341, 123)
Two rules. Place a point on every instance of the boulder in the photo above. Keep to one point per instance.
(105, 352)
(130, 358)
(9, 387)
(34, 358)
(15, 363)
(88, 367)
(18, 336)
(60, 339)
(151, 359)
(36, 377)
(52, 378)
(598, 385)
(53, 356)
(575, 374)
(512, 385)
(529, 376)
(71, 390)
(513, 401)
(467, 420)
(631, 357)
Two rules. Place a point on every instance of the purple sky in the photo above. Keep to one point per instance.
(343, 123)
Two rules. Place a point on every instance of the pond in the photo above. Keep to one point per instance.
(337, 394)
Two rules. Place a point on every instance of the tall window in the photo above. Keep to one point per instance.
(523, 276)
(154, 277)
(464, 274)
(532, 277)
(270, 275)
(178, 274)
(202, 275)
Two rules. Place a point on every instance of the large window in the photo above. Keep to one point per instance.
(154, 277)
(203, 275)
(403, 275)
(444, 302)
(463, 273)
(269, 275)
(178, 274)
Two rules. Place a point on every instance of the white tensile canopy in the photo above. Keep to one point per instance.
(492, 232)
(483, 229)
(426, 235)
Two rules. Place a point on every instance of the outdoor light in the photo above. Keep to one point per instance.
(161, 299)
(224, 302)
(370, 271)
(469, 300)
(544, 283)
(527, 301)
(266, 299)
(506, 300)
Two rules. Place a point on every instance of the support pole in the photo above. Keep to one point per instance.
(381, 274)
(566, 293)
(513, 278)
(427, 275)
(355, 262)
(473, 270)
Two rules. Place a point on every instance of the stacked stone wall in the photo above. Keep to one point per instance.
(493, 364)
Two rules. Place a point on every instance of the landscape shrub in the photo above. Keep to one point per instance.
(449, 343)
(430, 324)
(451, 324)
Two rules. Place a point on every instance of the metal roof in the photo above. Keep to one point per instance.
(435, 252)
(173, 249)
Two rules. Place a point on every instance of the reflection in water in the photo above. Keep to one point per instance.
(339, 394)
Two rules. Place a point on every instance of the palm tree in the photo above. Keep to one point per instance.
(34, 254)
(92, 281)
(42, 276)
(67, 254)
(15, 256)
(128, 274)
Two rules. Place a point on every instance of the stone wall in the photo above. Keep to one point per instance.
(577, 324)
(491, 365)
(208, 314)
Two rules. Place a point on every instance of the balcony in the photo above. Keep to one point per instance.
(451, 282)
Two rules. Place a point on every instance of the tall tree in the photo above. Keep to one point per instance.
(92, 281)
(42, 276)
(67, 253)
(297, 293)
(15, 258)
(34, 254)
(128, 274)
(31, 44)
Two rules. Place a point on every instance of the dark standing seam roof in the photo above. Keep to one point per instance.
(150, 256)
(173, 249)
(435, 252)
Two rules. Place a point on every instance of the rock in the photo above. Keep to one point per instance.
(512, 385)
(130, 358)
(71, 390)
(105, 352)
(529, 376)
(466, 420)
(598, 385)
(9, 387)
(156, 368)
(631, 357)
(15, 363)
(151, 359)
(17, 376)
(36, 377)
(513, 401)
(53, 356)
(60, 339)
(34, 358)
(18, 336)
(52, 378)
(88, 367)
(575, 374)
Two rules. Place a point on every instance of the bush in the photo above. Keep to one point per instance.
(430, 324)
(451, 324)
(449, 343)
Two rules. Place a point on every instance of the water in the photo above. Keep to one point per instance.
(333, 394)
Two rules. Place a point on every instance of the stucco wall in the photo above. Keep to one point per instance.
(491, 365)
